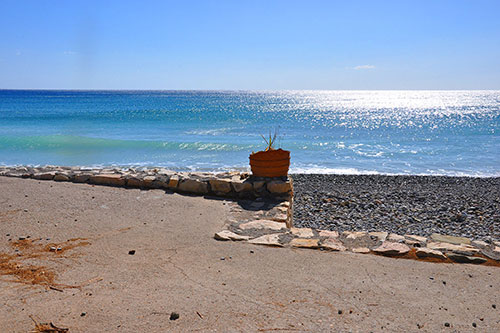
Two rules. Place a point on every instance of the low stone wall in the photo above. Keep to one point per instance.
(228, 184)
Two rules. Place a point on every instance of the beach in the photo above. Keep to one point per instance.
(178, 267)
(420, 205)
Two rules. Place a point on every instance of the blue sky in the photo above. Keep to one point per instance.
(269, 44)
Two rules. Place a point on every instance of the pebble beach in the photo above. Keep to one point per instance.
(420, 205)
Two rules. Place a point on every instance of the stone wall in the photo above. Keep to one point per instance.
(228, 184)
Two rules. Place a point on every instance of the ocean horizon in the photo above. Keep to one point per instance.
(407, 132)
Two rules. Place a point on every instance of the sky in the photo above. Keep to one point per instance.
(258, 45)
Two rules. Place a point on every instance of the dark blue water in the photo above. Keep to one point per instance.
(392, 132)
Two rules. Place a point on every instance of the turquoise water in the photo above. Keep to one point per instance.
(353, 132)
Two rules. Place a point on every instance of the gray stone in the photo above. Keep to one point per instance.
(429, 253)
(262, 224)
(479, 244)
(396, 238)
(415, 238)
(279, 187)
(333, 244)
(305, 243)
(450, 239)
(302, 232)
(448, 247)
(44, 175)
(391, 248)
(61, 178)
(107, 179)
(492, 253)
(270, 240)
(226, 235)
(193, 186)
(220, 186)
(241, 186)
(463, 259)
(328, 233)
(380, 235)
(81, 178)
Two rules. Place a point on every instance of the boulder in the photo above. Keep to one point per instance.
(107, 179)
(193, 186)
(270, 239)
(391, 248)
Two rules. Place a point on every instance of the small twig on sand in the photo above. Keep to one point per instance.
(56, 289)
(199, 314)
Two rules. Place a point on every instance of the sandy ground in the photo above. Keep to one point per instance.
(177, 267)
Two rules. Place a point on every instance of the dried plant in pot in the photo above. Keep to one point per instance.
(270, 162)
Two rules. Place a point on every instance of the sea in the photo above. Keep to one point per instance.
(455, 133)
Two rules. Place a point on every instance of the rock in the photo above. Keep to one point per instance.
(81, 178)
(173, 182)
(220, 186)
(363, 250)
(193, 186)
(257, 205)
(279, 187)
(258, 185)
(492, 253)
(270, 239)
(333, 244)
(262, 224)
(380, 235)
(450, 239)
(396, 238)
(479, 244)
(241, 186)
(44, 175)
(226, 235)
(354, 235)
(391, 248)
(305, 243)
(287, 204)
(463, 259)
(150, 181)
(415, 238)
(61, 178)
(280, 218)
(107, 179)
(302, 232)
(328, 233)
(174, 316)
(459, 249)
(131, 252)
(425, 252)
(135, 182)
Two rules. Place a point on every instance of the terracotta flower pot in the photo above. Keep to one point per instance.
(271, 163)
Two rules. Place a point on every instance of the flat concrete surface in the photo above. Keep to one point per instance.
(178, 267)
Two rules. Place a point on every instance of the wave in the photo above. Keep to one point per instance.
(70, 142)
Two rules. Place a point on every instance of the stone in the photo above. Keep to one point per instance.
(459, 249)
(220, 186)
(241, 186)
(302, 232)
(285, 204)
(333, 244)
(135, 182)
(279, 187)
(259, 185)
(328, 233)
(363, 250)
(354, 234)
(381, 235)
(107, 179)
(479, 244)
(492, 253)
(305, 243)
(173, 182)
(280, 217)
(262, 224)
(270, 239)
(81, 178)
(61, 178)
(149, 181)
(391, 248)
(463, 259)
(395, 238)
(425, 252)
(415, 238)
(193, 186)
(226, 235)
(450, 239)
(44, 175)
